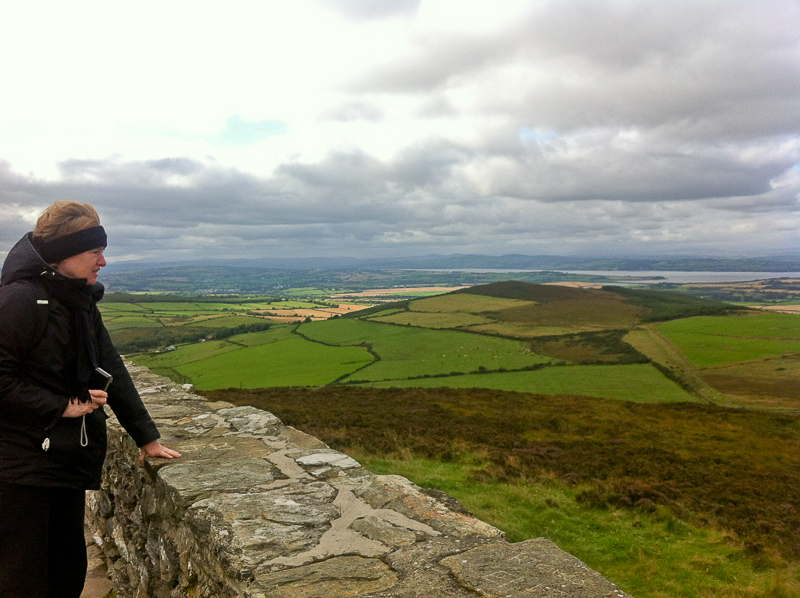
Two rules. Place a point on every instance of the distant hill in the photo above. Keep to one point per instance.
(578, 304)
(789, 263)
(543, 293)
(554, 262)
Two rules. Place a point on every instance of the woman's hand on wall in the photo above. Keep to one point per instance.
(155, 449)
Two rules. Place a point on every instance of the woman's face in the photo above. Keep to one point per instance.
(84, 265)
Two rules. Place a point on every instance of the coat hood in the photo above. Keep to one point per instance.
(24, 262)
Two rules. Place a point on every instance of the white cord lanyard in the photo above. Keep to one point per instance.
(84, 435)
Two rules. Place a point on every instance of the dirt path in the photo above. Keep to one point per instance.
(648, 340)
(784, 309)
(98, 585)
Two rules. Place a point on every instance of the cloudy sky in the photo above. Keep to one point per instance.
(406, 127)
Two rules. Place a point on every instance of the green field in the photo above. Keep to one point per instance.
(254, 339)
(619, 459)
(113, 308)
(638, 383)
(221, 321)
(465, 302)
(406, 351)
(255, 360)
(187, 354)
(433, 319)
(754, 325)
(513, 336)
(155, 324)
(276, 364)
(709, 341)
(131, 322)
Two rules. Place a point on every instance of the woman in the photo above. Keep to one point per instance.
(52, 422)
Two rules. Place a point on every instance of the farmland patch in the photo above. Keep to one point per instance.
(710, 341)
(753, 325)
(764, 383)
(408, 352)
(606, 346)
(187, 306)
(524, 330)
(474, 304)
(132, 322)
(595, 313)
(223, 321)
(433, 319)
(291, 362)
(528, 327)
(185, 354)
(127, 335)
(641, 383)
(397, 291)
(253, 339)
(123, 307)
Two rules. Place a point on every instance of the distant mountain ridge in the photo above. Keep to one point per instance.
(499, 262)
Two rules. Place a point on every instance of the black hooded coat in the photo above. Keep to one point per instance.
(51, 338)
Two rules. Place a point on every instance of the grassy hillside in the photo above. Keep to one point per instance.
(412, 352)
(639, 383)
(750, 360)
(146, 322)
(617, 445)
(506, 336)
(246, 360)
(677, 499)
(653, 305)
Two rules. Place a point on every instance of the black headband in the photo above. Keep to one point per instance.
(72, 244)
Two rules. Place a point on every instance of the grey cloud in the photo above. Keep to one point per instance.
(615, 34)
(15, 189)
(424, 201)
(429, 162)
(436, 61)
(609, 227)
(344, 187)
(704, 68)
(644, 175)
(372, 9)
(355, 170)
(147, 173)
(354, 111)
(180, 166)
(436, 106)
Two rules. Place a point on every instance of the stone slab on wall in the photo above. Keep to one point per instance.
(257, 509)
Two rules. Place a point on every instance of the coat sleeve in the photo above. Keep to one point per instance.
(23, 319)
(123, 398)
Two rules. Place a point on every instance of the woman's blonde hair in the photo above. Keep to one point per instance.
(64, 217)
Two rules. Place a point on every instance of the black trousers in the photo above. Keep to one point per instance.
(42, 547)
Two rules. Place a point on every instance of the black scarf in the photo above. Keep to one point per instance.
(80, 300)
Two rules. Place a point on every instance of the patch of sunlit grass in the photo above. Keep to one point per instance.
(648, 554)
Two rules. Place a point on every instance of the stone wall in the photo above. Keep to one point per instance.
(261, 510)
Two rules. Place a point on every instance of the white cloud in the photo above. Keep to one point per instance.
(356, 127)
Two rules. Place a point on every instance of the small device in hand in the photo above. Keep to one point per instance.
(101, 380)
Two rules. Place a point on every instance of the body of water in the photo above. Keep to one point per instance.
(644, 275)
(669, 276)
